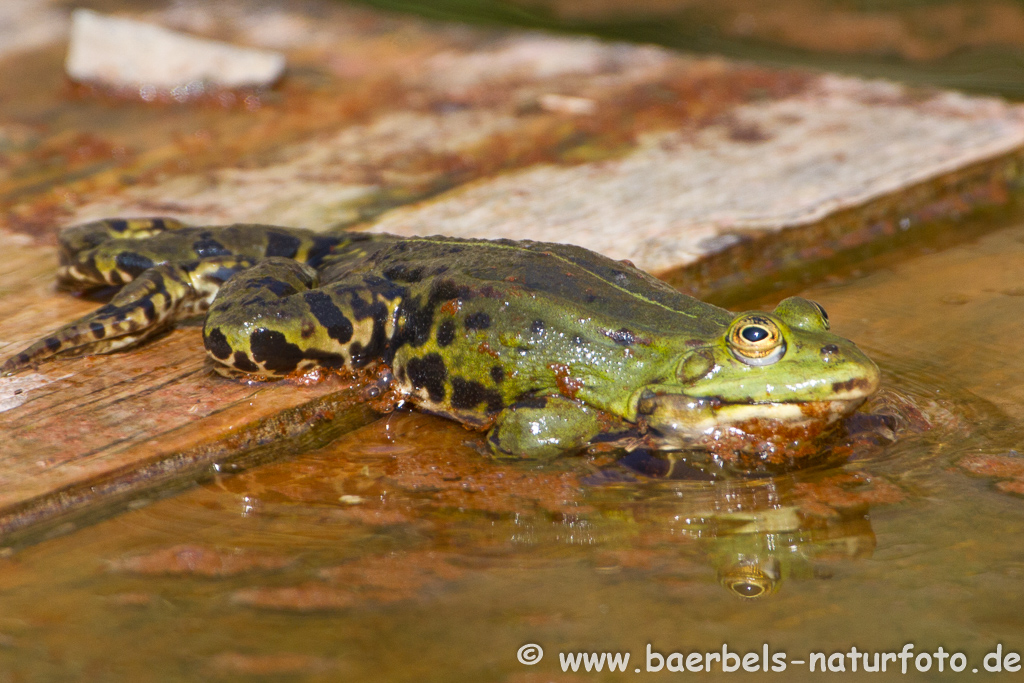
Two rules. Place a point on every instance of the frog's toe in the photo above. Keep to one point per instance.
(144, 307)
(83, 337)
(15, 364)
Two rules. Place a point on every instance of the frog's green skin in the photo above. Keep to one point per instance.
(549, 346)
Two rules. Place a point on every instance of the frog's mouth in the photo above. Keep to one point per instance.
(765, 429)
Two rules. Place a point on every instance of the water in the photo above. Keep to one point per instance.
(399, 553)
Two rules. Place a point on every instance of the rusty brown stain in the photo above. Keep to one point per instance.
(484, 347)
(568, 385)
(452, 306)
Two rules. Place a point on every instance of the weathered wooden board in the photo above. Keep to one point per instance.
(94, 433)
(634, 151)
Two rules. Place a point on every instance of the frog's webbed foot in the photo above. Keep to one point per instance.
(548, 426)
(144, 307)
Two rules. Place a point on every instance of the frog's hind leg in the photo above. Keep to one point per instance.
(272, 321)
(82, 266)
(146, 306)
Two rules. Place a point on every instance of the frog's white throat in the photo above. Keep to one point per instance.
(688, 423)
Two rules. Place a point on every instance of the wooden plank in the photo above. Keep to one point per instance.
(84, 437)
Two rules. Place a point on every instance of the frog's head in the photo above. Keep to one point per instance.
(768, 372)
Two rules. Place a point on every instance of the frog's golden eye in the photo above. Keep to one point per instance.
(756, 340)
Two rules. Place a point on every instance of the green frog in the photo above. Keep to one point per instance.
(549, 348)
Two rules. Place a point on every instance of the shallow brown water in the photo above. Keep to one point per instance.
(399, 553)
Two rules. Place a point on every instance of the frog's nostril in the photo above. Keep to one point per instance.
(829, 349)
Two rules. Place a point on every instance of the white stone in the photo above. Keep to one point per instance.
(125, 53)
(567, 104)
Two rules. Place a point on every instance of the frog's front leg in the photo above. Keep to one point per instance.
(549, 426)
(144, 307)
(272, 321)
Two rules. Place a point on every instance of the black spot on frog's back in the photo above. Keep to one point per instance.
(322, 246)
(374, 349)
(478, 321)
(278, 287)
(273, 349)
(282, 244)
(468, 394)
(242, 362)
(445, 333)
(428, 373)
(402, 272)
(217, 344)
(132, 263)
(329, 315)
(497, 374)
(445, 289)
(148, 309)
(207, 247)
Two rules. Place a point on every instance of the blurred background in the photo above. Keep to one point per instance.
(975, 45)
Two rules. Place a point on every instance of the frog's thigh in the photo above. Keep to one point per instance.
(81, 246)
(271, 320)
(544, 427)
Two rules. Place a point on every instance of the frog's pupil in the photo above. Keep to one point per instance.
(754, 334)
(748, 589)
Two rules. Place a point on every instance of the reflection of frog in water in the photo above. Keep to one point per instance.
(548, 347)
(758, 533)
(753, 564)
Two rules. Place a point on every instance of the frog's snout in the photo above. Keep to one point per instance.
(857, 386)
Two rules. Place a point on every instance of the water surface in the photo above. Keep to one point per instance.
(400, 553)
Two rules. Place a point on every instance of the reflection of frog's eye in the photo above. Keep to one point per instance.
(747, 589)
(756, 340)
(750, 580)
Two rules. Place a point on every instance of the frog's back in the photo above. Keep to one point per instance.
(542, 275)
